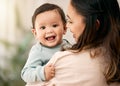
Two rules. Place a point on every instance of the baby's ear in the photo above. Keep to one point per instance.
(34, 32)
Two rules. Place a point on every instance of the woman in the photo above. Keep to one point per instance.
(95, 58)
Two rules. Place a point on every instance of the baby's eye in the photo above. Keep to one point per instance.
(55, 25)
(42, 28)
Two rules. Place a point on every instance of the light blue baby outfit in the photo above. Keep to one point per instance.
(39, 55)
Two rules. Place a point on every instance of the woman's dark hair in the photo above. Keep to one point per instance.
(107, 12)
(48, 7)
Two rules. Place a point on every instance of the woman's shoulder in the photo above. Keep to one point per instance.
(63, 53)
(71, 52)
(71, 55)
(60, 54)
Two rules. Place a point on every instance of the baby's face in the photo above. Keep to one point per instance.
(49, 28)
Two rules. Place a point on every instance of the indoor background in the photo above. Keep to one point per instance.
(16, 38)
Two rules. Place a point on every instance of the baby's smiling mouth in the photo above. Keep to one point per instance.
(50, 38)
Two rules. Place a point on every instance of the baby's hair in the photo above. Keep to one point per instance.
(48, 7)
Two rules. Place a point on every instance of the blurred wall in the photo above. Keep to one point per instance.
(16, 38)
(15, 23)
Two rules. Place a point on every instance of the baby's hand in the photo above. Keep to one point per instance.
(49, 72)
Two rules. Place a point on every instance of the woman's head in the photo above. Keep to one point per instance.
(98, 17)
(101, 27)
(75, 22)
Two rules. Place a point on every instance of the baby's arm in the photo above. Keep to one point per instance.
(49, 71)
(33, 70)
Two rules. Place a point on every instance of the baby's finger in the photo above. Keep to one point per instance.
(49, 65)
(53, 74)
(52, 68)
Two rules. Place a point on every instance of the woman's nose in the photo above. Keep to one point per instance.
(67, 25)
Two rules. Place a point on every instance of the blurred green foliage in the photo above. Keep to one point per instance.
(10, 76)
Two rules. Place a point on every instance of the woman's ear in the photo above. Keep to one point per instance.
(34, 32)
(65, 29)
(97, 24)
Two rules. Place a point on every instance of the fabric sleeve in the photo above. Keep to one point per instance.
(33, 70)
